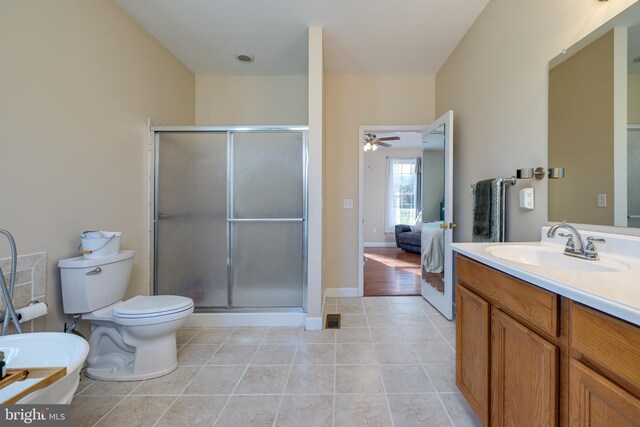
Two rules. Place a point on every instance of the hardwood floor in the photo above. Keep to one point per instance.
(391, 271)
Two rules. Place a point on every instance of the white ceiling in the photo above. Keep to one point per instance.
(360, 36)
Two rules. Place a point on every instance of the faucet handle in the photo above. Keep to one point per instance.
(570, 243)
(590, 251)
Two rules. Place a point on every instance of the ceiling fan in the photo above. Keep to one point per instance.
(371, 141)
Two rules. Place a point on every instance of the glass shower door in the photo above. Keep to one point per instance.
(266, 216)
(191, 213)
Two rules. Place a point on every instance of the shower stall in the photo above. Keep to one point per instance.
(230, 217)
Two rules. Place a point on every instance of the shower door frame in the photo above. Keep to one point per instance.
(156, 131)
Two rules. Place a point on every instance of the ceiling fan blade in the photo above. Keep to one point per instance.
(389, 138)
(382, 144)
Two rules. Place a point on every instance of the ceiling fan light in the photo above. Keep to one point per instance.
(367, 146)
(374, 147)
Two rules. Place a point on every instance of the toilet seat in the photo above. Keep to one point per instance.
(152, 306)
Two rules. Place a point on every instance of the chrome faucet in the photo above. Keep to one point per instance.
(588, 252)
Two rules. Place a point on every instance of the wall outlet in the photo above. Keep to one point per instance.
(602, 200)
(527, 198)
(347, 203)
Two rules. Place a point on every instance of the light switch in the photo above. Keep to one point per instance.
(526, 198)
(602, 200)
(347, 203)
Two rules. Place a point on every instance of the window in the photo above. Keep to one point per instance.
(401, 192)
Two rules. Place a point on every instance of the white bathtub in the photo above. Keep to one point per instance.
(44, 349)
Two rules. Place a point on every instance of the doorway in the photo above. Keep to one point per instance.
(389, 197)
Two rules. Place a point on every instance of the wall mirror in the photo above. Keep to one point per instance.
(594, 126)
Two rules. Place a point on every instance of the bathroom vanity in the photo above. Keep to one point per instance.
(541, 340)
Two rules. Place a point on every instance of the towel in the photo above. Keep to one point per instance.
(488, 211)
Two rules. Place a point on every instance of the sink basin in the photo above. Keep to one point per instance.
(552, 257)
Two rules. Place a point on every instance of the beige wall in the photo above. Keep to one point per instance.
(352, 101)
(633, 87)
(496, 82)
(251, 100)
(581, 121)
(375, 191)
(78, 81)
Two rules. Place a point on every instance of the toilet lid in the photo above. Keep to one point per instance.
(149, 306)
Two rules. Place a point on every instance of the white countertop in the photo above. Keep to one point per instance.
(616, 293)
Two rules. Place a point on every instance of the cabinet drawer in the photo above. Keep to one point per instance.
(610, 344)
(536, 307)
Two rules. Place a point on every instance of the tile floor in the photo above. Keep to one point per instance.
(391, 364)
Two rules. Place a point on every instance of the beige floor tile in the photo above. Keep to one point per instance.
(307, 411)
(310, 380)
(449, 334)
(405, 300)
(283, 336)
(85, 383)
(353, 336)
(172, 383)
(325, 336)
(388, 335)
(410, 320)
(434, 352)
(417, 410)
(138, 411)
(230, 354)
(361, 411)
(185, 334)
(427, 307)
(190, 354)
(383, 320)
(395, 354)
(331, 300)
(378, 309)
(247, 336)
(249, 411)
(358, 379)
(212, 336)
(274, 354)
(459, 410)
(355, 354)
(353, 321)
(355, 304)
(405, 379)
(330, 309)
(350, 308)
(85, 411)
(440, 321)
(193, 411)
(422, 334)
(442, 375)
(111, 388)
(315, 354)
(215, 380)
(406, 309)
(263, 380)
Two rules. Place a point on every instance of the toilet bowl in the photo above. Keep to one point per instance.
(130, 340)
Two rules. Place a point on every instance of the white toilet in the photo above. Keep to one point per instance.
(130, 340)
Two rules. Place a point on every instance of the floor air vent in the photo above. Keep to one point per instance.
(333, 321)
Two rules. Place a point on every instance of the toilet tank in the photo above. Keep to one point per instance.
(90, 284)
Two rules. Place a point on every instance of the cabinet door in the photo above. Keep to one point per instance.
(524, 379)
(472, 350)
(596, 401)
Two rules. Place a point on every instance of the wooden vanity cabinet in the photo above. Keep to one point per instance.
(526, 356)
(499, 348)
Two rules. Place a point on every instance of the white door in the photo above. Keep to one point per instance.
(437, 214)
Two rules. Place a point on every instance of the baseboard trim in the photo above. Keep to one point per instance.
(340, 292)
(379, 244)
(313, 324)
(217, 320)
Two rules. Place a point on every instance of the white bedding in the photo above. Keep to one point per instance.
(432, 247)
